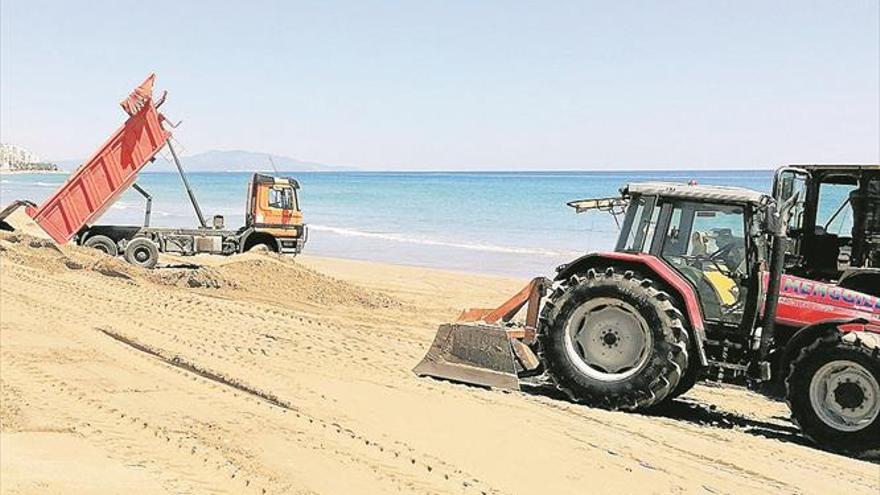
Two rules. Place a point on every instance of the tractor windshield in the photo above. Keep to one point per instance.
(706, 243)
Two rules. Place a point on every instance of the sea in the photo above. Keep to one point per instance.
(503, 223)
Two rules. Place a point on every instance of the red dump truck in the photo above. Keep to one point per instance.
(273, 219)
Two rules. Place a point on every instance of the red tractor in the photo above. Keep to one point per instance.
(696, 289)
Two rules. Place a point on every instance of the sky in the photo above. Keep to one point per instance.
(457, 85)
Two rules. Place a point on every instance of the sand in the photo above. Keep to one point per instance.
(259, 374)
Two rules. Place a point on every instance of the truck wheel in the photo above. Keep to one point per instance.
(260, 247)
(612, 340)
(833, 391)
(102, 243)
(142, 252)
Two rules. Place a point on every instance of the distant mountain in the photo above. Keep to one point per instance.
(229, 161)
(249, 161)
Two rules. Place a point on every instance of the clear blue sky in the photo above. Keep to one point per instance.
(457, 84)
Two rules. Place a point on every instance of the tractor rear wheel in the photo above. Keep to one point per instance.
(689, 376)
(833, 391)
(612, 340)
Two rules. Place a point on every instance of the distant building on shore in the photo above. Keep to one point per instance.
(17, 159)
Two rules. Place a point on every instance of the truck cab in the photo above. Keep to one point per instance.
(273, 216)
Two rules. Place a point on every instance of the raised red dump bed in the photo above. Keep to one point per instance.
(109, 172)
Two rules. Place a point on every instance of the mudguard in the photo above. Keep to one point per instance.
(647, 264)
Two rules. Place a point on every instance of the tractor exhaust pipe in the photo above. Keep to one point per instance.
(777, 220)
(777, 265)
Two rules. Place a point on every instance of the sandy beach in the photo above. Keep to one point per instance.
(262, 374)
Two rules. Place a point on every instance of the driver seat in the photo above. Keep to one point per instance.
(821, 252)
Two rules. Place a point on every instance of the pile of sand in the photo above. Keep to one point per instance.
(193, 276)
(34, 252)
(45, 255)
(270, 277)
(264, 277)
(23, 224)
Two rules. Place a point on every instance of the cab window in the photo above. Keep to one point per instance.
(642, 221)
(834, 212)
(281, 197)
(639, 209)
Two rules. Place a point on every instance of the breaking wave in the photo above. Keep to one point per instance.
(430, 242)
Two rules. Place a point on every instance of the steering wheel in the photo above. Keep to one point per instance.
(717, 256)
(722, 252)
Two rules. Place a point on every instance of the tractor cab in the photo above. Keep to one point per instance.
(711, 235)
(716, 240)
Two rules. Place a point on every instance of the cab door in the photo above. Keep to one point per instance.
(708, 244)
(276, 206)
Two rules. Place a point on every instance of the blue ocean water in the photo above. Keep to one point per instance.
(509, 223)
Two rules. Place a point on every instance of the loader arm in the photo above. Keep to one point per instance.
(531, 294)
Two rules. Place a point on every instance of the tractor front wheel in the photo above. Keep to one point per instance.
(833, 390)
(612, 340)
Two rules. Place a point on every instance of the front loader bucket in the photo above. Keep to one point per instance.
(471, 353)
